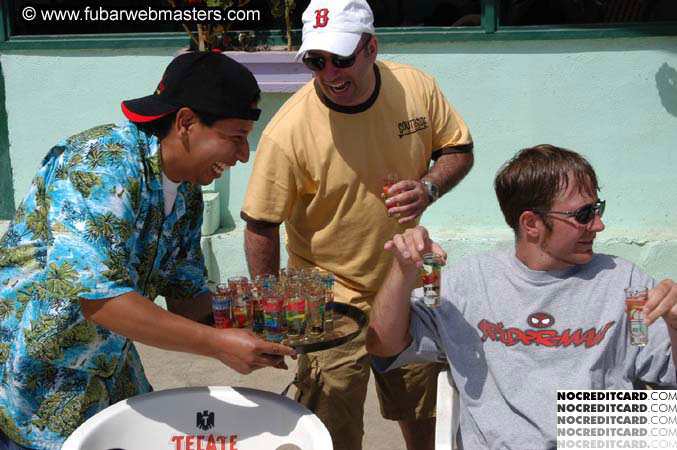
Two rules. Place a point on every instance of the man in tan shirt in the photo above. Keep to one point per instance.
(318, 169)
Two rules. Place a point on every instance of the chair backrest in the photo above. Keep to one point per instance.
(448, 410)
(202, 417)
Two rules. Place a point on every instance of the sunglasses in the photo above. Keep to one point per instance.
(317, 63)
(582, 215)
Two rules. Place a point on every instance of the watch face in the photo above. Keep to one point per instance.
(431, 190)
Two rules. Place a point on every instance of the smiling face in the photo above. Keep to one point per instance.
(218, 147)
(558, 241)
(352, 85)
(199, 153)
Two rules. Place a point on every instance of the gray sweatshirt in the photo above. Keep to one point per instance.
(514, 336)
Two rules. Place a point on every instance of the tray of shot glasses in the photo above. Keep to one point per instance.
(347, 323)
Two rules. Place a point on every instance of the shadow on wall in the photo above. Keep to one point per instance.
(666, 82)
(222, 186)
(6, 187)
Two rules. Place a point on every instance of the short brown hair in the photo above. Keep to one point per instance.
(534, 177)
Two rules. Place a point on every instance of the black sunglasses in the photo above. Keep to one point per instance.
(582, 215)
(317, 63)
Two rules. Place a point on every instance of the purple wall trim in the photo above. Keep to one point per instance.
(276, 71)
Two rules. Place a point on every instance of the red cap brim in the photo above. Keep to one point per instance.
(134, 117)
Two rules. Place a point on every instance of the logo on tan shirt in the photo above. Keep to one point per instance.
(411, 126)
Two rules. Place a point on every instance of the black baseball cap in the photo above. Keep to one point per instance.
(208, 82)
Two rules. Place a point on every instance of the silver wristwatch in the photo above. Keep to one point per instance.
(432, 190)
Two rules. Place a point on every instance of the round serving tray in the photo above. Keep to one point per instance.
(348, 322)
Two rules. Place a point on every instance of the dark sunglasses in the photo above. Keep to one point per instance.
(317, 63)
(582, 215)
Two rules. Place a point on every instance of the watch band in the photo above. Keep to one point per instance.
(432, 190)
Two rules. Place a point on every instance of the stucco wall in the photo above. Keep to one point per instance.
(614, 100)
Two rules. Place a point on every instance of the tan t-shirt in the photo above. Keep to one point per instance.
(318, 168)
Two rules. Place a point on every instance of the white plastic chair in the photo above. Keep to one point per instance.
(448, 410)
(216, 416)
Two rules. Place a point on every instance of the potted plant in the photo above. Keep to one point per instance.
(218, 36)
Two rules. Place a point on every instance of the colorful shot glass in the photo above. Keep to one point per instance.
(315, 299)
(387, 181)
(635, 299)
(241, 307)
(258, 289)
(295, 309)
(328, 281)
(432, 267)
(286, 274)
(272, 317)
(221, 305)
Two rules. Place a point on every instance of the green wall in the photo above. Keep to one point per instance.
(614, 100)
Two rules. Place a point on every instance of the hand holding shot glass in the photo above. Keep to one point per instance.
(407, 196)
(417, 254)
(645, 306)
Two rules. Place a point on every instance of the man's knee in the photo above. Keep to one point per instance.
(418, 434)
(409, 392)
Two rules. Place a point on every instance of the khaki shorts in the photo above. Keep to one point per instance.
(333, 384)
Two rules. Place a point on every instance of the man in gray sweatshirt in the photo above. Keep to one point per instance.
(515, 326)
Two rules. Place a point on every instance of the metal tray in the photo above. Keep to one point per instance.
(348, 322)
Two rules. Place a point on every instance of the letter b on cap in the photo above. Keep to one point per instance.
(321, 18)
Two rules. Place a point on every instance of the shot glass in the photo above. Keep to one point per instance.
(295, 311)
(272, 317)
(328, 281)
(316, 307)
(432, 266)
(258, 289)
(308, 272)
(387, 181)
(635, 299)
(221, 304)
(241, 308)
(287, 274)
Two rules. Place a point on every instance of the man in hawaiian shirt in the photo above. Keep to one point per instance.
(111, 221)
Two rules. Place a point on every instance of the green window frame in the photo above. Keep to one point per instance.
(489, 30)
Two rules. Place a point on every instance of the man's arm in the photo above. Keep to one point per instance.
(449, 170)
(139, 319)
(262, 249)
(388, 331)
(411, 195)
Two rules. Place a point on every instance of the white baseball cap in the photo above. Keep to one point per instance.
(335, 26)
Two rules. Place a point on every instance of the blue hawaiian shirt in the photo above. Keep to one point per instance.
(92, 226)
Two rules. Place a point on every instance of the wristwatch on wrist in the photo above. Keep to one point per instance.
(432, 190)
